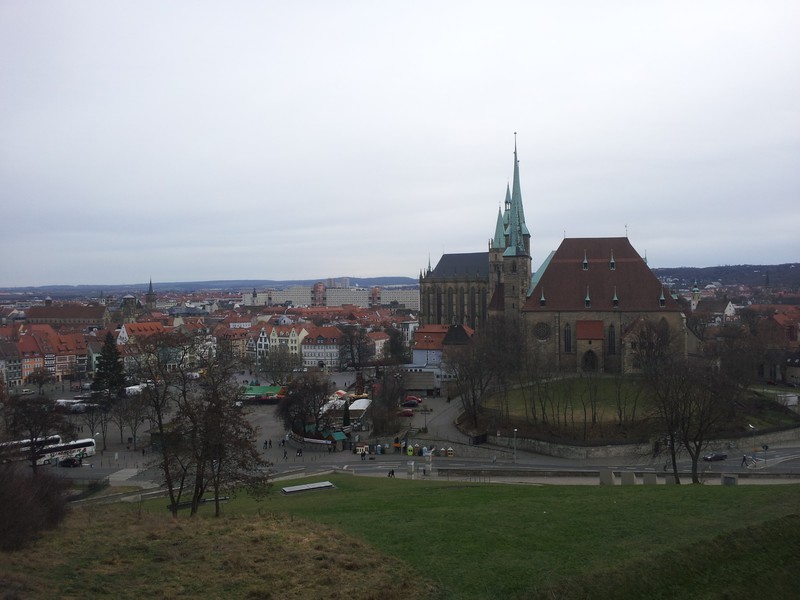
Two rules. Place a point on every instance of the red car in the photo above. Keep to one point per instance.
(416, 399)
(406, 412)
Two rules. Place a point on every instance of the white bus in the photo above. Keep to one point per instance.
(78, 449)
(20, 449)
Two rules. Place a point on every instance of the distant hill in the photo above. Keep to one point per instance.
(785, 276)
(234, 285)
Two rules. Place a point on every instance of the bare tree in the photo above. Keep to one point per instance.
(132, 410)
(301, 408)
(92, 418)
(386, 396)
(280, 365)
(692, 399)
(472, 370)
(201, 434)
(626, 397)
(163, 360)
(355, 350)
(34, 419)
(39, 377)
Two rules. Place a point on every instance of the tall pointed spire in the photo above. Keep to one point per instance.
(499, 239)
(517, 233)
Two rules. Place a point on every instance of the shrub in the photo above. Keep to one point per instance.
(29, 504)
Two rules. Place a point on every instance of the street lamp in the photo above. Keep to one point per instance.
(515, 445)
(754, 438)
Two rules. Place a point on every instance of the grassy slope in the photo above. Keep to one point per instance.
(387, 538)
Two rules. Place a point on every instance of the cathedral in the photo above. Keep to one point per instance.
(581, 307)
(464, 289)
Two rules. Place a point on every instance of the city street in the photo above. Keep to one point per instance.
(437, 415)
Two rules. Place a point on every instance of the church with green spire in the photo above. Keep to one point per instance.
(468, 288)
(582, 306)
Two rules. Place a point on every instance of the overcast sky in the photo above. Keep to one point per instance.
(185, 141)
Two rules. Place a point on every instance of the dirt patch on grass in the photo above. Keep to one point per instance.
(114, 551)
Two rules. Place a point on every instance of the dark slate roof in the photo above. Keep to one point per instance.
(462, 266)
(497, 301)
(457, 335)
(564, 283)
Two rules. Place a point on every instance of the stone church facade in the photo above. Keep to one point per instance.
(580, 308)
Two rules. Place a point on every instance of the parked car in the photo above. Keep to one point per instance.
(69, 462)
(417, 399)
(406, 412)
(715, 456)
(27, 392)
(410, 403)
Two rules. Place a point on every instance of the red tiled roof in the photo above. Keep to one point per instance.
(565, 283)
(430, 337)
(589, 330)
(66, 311)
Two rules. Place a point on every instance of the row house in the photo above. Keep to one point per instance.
(265, 338)
(128, 335)
(64, 353)
(321, 348)
(378, 339)
(10, 364)
(205, 344)
(38, 346)
(287, 336)
(31, 356)
(231, 342)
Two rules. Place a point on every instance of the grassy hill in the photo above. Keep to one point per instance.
(393, 538)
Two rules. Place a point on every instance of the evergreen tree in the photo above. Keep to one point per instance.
(110, 375)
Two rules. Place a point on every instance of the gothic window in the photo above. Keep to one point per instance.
(612, 339)
(541, 331)
(567, 338)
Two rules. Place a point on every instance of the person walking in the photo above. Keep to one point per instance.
(744, 460)
(285, 456)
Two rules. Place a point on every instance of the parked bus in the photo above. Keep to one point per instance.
(79, 449)
(20, 449)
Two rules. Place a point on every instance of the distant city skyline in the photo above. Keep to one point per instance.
(186, 142)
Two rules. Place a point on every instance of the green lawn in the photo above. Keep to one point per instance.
(517, 405)
(388, 539)
(504, 541)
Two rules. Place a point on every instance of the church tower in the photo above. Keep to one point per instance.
(510, 252)
(466, 288)
(150, 297)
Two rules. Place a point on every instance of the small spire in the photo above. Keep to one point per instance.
(612, 265)
(585, 261)
(615, 300)
(588, 300)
